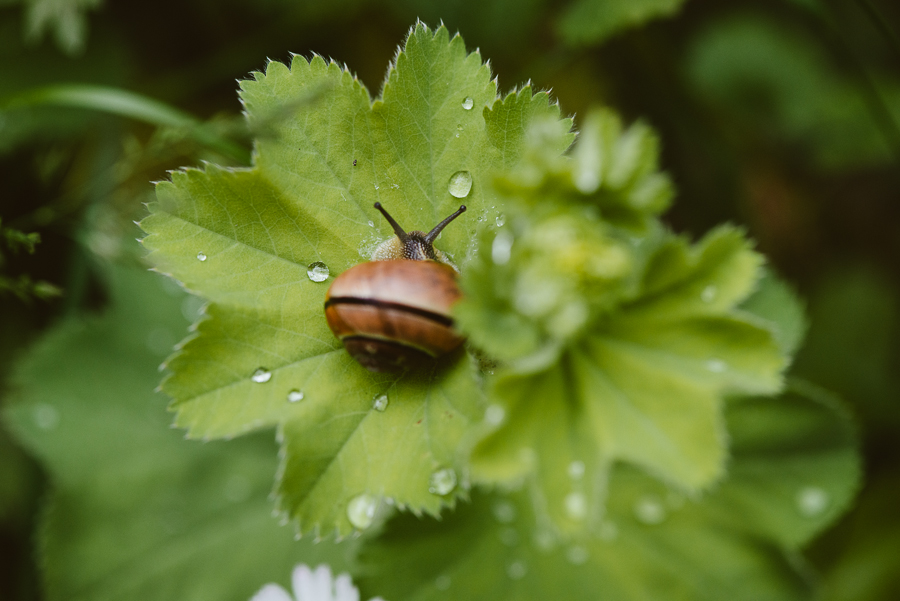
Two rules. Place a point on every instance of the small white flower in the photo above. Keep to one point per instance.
(312, 585)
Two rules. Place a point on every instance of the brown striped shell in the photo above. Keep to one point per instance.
(393, 315)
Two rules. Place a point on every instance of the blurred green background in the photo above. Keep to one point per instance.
(781, 115)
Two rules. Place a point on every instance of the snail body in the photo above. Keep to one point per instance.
(393, 312)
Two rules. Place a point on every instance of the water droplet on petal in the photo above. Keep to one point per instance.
(295, 396)
(46, 417)
(380, 402)
(468, 103)
(318, 271)
(716, 366)
(576, 505)
(577, 555)
(501, 249)
(709, 294)
(516, 570)
(649, 510)
(261, 375)
(494, 415)
(442, 481)
(812, 501)
(361, 510)
(201, 256)
(460, 184)
(442, 583)
(576, 470)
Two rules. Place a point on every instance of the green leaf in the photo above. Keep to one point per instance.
(644, 382)
(309, 199)
(64, 18)
(794, 469)
(594, 21)
(136, 512)
(777, 303)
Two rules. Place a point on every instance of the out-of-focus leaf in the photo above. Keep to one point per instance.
(65, 19)
(777, 303)
(593, 21)
(794, 469)
(246, 239)
(136, 512)
(780, 83)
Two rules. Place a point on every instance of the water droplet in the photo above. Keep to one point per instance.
(201, 256)
(261, 375)
(442, 481)
(500, 220)
(576, 505)
(318, 271)
(516, 570)
(468, 103)
(380, 402)
(716, 366)
(509, 537)
(576, 470)
(460, 184)
(709, 294)
(812, 501)
(494, 415)
(361, 510)
(649, 510)
(504, 511)
(371, 223)
(295, 396)
(501, 249)
(577, 555)
(46, 417)
(395, 186)
(442, 583)
(608, 531)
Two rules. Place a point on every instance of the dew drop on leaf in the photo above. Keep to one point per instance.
(500, 220)
(361, 510)
(649, 510)
(295, 396)
(261, 375)
(371, 223)
(576, 470)
(812, 501)
(460, 184)
(46, 417)
(516, 570)
(318, 271)
(576, 505)
(442, 481)
(716, 366)
(709, 294)
(442, 583)
(380, 402)
(577, 555)
(468, 103)
(494, 415)
(201, 256)
(504, 511)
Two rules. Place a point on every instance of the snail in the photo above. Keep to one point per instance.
(393, 312)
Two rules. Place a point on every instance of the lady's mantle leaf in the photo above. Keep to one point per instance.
(136, 512)
(245, 240)
(593, 21)
(642, 381)
(794, 469)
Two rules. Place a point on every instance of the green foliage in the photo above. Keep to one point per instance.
(135, 511)
(794, 468)
(66, 20)
(22, 286)
(593, 21)
(305, 201)
(780, 83)
(612, 347)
